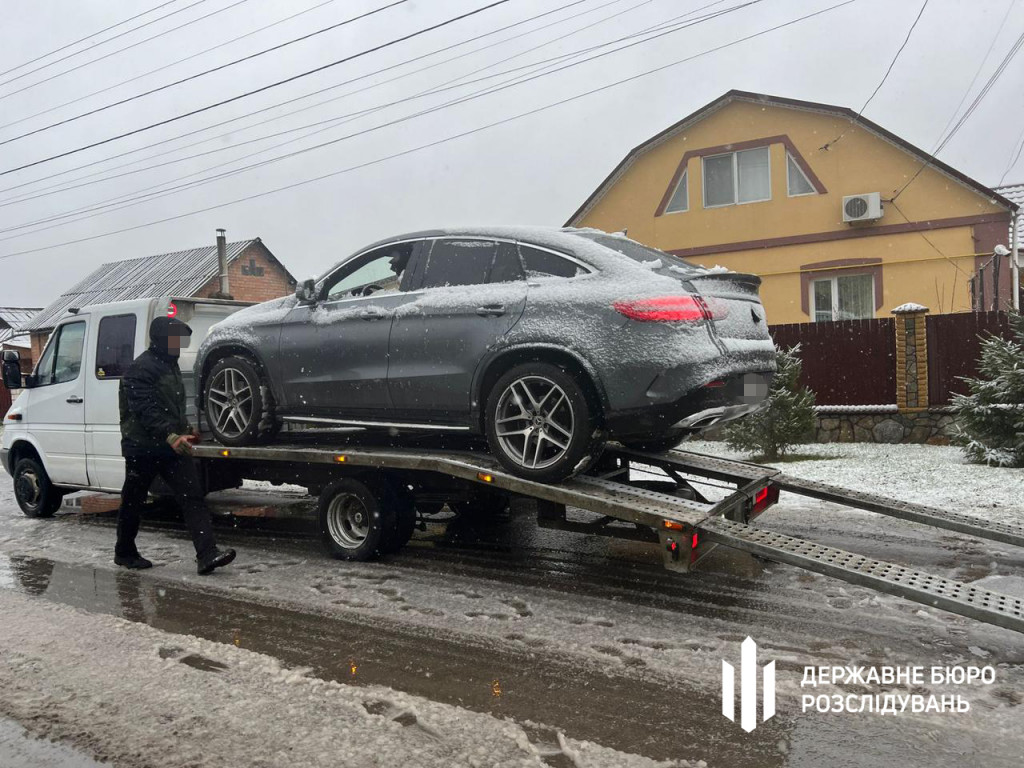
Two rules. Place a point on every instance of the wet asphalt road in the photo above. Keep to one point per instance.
(615, 704)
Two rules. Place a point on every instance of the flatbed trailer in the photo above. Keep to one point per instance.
(371, 494)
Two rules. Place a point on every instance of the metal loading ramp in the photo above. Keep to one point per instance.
(683, 461)
(953, 596)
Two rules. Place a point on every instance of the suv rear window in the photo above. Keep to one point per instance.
(538, 263)
(638, 252)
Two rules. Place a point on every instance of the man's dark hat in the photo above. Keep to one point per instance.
(163, 326)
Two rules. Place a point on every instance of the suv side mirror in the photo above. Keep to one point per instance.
(11, 369)
(306, 291)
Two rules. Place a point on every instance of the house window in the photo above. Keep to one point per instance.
(850, 297)
(680, 197)
(737, 177)
(796, 179)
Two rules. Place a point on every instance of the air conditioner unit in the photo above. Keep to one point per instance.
(862, 207)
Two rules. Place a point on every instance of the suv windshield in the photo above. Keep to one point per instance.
(638, 252)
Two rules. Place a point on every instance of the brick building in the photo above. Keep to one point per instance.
(254, 274)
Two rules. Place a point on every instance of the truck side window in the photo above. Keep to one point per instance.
(62, 359)
(115, 346)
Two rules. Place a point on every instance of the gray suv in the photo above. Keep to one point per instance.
(547, 341)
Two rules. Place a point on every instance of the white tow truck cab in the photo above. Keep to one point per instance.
(63, 432)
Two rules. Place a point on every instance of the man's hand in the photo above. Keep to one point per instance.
(196, 436)
(181, 444)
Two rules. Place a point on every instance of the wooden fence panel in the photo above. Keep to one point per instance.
(953, 349)
(851, 362)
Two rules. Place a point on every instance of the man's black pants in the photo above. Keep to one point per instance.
(180, 474)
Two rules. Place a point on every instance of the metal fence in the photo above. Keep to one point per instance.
(851, 362)
(954, 345)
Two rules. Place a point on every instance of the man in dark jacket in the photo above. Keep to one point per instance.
(156, 439)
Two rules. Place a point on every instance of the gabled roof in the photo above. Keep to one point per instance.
(11, 319)
(181, 273)
(761, 98)
(1015, 194)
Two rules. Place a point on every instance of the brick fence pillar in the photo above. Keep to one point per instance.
(911, 358)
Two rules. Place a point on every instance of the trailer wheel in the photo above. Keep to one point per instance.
(36, 495)
(356, 523)
(405, 521)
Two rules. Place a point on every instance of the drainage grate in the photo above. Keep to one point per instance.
(925, 588)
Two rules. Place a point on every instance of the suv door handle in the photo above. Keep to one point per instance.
(373, 314)
(491, 310)
(75, 399)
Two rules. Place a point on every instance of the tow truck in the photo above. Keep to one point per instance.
(62, 435)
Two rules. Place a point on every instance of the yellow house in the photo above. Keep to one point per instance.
(841, 218)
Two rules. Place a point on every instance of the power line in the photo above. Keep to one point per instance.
(197, 75)
(966, 116)
(89, 48)
(256, 90)
(234, 120)
(438, 142)
(119, 202)
(168, 66)
(57, 189)
(1018, 145)
(87, 37)
(895, 58)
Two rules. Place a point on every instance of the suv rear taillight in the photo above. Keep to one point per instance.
(665, 309)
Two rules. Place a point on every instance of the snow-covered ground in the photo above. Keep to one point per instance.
(607, 608)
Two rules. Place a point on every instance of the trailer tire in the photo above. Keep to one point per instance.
(35, 494)
(356, 522)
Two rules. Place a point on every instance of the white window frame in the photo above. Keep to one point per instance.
(834, 309)
(686, 198)
(735, 178)
(789, 177)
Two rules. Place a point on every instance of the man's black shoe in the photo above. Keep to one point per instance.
(132, 561)
(217, 559)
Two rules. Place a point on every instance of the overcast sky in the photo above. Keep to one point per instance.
(532, 170)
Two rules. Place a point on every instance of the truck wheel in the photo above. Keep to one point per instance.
(237, 403)
(354, 523)
(540, 424)
(36, 495)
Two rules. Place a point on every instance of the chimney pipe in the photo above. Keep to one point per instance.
(222, 264)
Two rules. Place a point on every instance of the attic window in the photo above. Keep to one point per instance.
(680, 200)
(798, 182)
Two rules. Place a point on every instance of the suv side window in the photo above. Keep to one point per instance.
(459, 262)
(378, 272)
(507, 268)
(538, 263)
(115, 346)
(62, 359)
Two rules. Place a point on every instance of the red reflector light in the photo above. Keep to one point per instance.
(172, 309)
(672, 546)
(693, 545)
(14, 417)
(664, 309)
(765, 497)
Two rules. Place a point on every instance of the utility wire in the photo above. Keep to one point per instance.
(168, 66)
(895, 58)
(332, 122)
(261, 89)
(234, 120)
(96, 45)
(120, 202)
(967, 114)
(437, 142)
(1018, 145)
(87, 37)
(210, 71)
